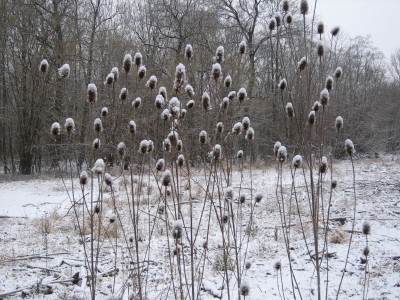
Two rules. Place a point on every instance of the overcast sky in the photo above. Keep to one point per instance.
(378, 18)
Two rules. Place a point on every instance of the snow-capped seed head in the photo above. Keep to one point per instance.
(335, 31)
(244, 289)
(276, 148)
(277, 265)
(159, 102)
(289, 110)
(228, 81)
(180, 160)
(179, 145)
(132, 127)
(247, 265)
(109, 79)
(166, 178)
(302, 64)
(316, 106)
(121, 149)
(320, 49)
(249, 134)
(285, 5)
(108, 179)
(323, 165)
(165, 115)
(242, 198)
(143, 146)
(366, 251)
(63, 72)
(239, 154)
(217, 152)
(311, 118)
(167, 145)
(288, 18)
(97, 209)
(205, 101)
(55, 128)
(163, 92)
(112, 217)
(242, 47)
(189, 90)
(127, 63)
(97, 125)
(160, 164)
(220, 127)
(203, 137)
(272, 24)
(136, 103)
(225, 103)
(150, 145)
(83, 178)
(278, 19)
(366, 228)
(180, 76)
(320, 27)
(182, 113)
(258, 197)
(225, 218)
(190, 104)
(219, 54)
(115, 72)
(161, 209)
(104, 111)
(304, 7)
(282, 84)
(96, 143)
(99, 166)
(228, 192)
(324, 97)
(242, 94)
(349, 146)
(188, 51)
(246, 123)
(329, 83)
(339, 123)
(141, 72)
(338, 72)
(123, 94)
(216, 71)
(297, 161)
(173, 138)
(174, 102)
(137, 58)
(176, 251)
(231, 95)
(69, 125)
(237, 128)
(44, 66)
(152, 82)
(334, 184)
(282, 154)
(91, 93)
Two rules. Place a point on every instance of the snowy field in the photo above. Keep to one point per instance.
(41, 250)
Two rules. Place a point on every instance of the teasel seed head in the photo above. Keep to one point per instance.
(278, 19)
(277, 145)
(311, 118)
(216, 71)
(339, 123)
(288, 18)
(163, 92)
(160, 164)
(225, 103)
(173, 138)
(225, 218)
(320, 49)
(167, 145)
(137, 58)
(242, 198)
(63, 72)
(244, 289)
(99, 167)
(174, 103)
(237, 128)
(165, 115)
(132, 127)
(249, 134)
(217, 152)
(179, 145)
(109, 79)
(205, 101)
(219, 54)
(123, 94)
(143, 147)
(150, 146)
(159, 102)
(349, 146)
(231, 95)
(246, 123)
(335, 31)
(69, 125)
(188, 51)
(304, 7)
(242, 94)
(366, 228)
(161, 209)
(239, 154)
(189, 90)
(108, 179)
(44, 66)
(289, 110)
(282, 84)
(127, 63)
(115, 72)
(121, 149)
(338, 72)
(203, 137)
(98, 125)
(166, 178)
(176, 251)
(316, 106)
(190, 104)
(142, 72)
(92, 93)
(228, 81)
(180, 76)
(320, 27)
(302, 64)
(282, 154)
(324, 97)
(242, 47)
(297, 161)
(136, 103)
(329, 83)
(220, 127)
(96, 144)
(334, 184)
(323, 165)
(180, 160)
(55, 128)
(177, 229)
(248, 265)
(152, 82)
(277, 265)
(272, 24)
(366, 251)
(258, 197)
(285, 5)
(83, 178)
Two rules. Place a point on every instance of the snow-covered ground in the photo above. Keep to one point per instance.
(41, 265)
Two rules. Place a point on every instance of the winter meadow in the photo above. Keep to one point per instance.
(179, 149)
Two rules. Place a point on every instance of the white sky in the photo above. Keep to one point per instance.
(378, 18)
